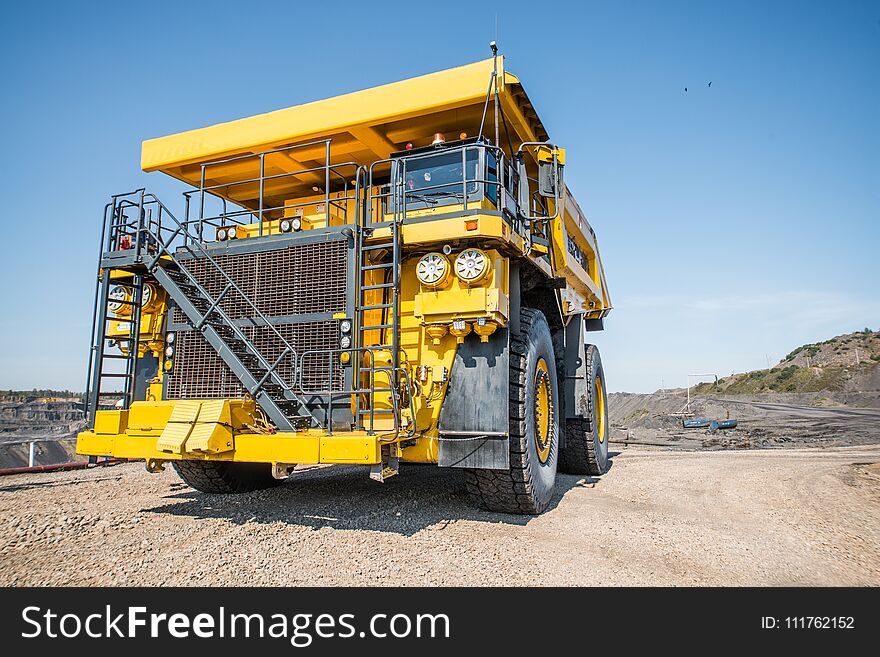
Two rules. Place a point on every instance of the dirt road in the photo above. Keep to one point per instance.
(764, 517)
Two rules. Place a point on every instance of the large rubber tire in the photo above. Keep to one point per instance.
(527, 487)
(586, 439)
(224, 477)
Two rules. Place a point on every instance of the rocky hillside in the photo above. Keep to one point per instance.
(846, 363)
(39, 414)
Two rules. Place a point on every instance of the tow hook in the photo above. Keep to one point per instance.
(389, 467)
(155, 465)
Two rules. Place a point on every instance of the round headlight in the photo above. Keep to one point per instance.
(297, 223)
(147, 295)
(471, 265)
(117, 296)
(169, 351)
(169, 339)
(345, 325)
(433, 270)
(285, 225)
(221, 234)
(231, 232)
(345, 341)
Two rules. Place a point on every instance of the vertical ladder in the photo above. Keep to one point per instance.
(100, 359)
(383, 257)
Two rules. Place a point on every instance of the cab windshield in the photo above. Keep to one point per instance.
(438, 179)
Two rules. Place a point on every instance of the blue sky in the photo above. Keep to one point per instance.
(736, 222)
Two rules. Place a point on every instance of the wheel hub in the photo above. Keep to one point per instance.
(543, 410)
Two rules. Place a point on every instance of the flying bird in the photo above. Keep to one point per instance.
(685, 88)
(710, 83)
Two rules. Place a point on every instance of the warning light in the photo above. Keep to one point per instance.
(471, 224)
(438, 139)
(409, 147)
(463, 135)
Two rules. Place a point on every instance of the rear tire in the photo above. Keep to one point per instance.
(534, 398)
(224, 477)
(586, 438)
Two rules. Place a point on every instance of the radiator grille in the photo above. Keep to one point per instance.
(297, 280)
(199, 373)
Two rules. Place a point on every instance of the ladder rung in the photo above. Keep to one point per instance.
(377, 306)
(118, 356)
(114, 375)
(376, 326)
(377, 287)
(376, 411)
(384, 265)
(373, 247)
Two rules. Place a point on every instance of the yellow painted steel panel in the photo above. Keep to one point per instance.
(339, 449)
(144, 417)
(111, 422)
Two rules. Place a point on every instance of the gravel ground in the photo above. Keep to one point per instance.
(763, 517)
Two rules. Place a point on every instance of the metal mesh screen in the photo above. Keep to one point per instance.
(297, 280)
(199, 373)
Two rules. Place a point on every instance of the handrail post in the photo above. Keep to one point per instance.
(262, 175)
(201, 202)
(327, 183)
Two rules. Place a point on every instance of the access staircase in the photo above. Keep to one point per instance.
(158, 246)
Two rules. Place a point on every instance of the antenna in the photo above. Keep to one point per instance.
(493, 89)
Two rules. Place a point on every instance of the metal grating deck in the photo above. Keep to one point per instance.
(199, 373)
(296, 280)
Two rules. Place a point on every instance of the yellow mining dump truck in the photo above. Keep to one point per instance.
(396, 275)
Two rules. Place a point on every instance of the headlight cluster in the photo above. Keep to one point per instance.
(345, 333)
(434, 270)
(287, 225)
(230, 233)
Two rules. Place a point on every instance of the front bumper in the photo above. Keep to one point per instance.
(307, 447)
(220, 430)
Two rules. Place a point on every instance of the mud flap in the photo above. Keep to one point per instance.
(577, 385)
(474, 421)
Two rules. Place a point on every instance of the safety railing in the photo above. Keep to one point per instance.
(337, 184)
(398, 386)
(394, 198)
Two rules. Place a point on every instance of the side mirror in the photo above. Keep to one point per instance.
(547, 179)
(550, 159)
